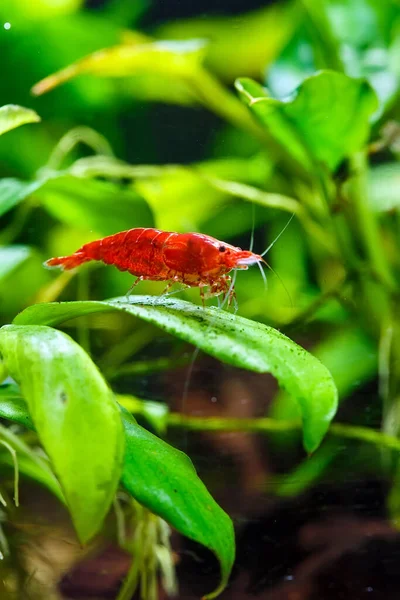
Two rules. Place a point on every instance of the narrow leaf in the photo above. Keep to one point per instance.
(75, 415)
(230, 338)
(12, 116)
(174, 60)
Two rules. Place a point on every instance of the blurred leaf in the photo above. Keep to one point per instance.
(39, 10)
(90, 204)
(12, 116)
(325, 120)
(164, 480)
(97, 205)
(11, 257)
(13, 191)
(230, 338)
(239, 45)
(384, 187)
(176, 60)
(75, 415)
(181, 197)
(363, 31)
(303, 476)
(293, 65)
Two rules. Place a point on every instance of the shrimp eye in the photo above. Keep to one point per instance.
(222, 248)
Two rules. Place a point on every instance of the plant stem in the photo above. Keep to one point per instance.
(267, 425)
(366, 223)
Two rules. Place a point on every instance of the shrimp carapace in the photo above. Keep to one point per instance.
(193, 259)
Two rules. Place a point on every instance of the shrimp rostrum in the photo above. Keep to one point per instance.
(192, 259)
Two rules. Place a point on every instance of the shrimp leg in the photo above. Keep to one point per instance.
(134, 284)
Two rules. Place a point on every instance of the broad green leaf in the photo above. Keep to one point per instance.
(12, 116)
(168, 188)
(13, 191)
(249, 54)
(384, 187)
(164, 480)
(97, 205)
(11, 257)
(174, 60)
(325, 120)
(75, 415)
(230, 338)
(161, 478)
(100, 206)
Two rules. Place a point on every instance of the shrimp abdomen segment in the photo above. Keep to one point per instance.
(138, 251)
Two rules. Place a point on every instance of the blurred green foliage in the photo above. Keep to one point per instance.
(223, 125)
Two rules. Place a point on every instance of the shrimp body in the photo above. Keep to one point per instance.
(193, 259)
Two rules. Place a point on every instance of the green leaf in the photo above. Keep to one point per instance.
(351, 358)
(13, 191)
(13, 407)
(101, 206)
(75, 415)
(249, 54)
(325, 120)
(97, 205)
(159, 477)
(12, 116)
(164, 480)
(167, 188)
(384, 187)
(174, 61)
(230, 338)
(11, 257)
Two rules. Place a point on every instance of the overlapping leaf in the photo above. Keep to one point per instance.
(325, 120)
(75, 415)
(232, 339)
(160, 477)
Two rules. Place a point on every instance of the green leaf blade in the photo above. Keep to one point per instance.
(325, 120)
(164, 480)
(12, 116)
(230, 338)
(75, 415)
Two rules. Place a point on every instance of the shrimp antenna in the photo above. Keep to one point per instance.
(279, 277)
(277, 237)
(262, 273)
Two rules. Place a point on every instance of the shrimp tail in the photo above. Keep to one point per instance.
(67, 262)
